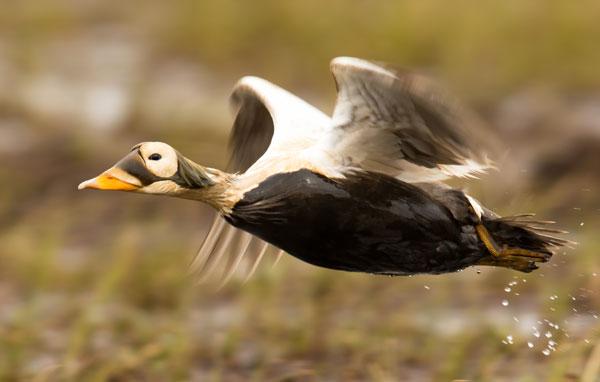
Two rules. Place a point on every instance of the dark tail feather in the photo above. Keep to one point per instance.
(521, 231)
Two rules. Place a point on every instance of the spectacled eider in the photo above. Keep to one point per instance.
(359, 191)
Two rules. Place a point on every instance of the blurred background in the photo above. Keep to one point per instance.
(94, 286)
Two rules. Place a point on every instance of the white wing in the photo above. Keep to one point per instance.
(274, 131)
(398, 125)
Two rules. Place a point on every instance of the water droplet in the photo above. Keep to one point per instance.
(553, 297)
(530, 344)
(548, 334)
(586, 341)
(427, 287)
(536, 333)
(512, 283)
(573, 298)
(546, 352)
(594, 274)
(504, 302)
(551, 343)
(581, 224)
(509, 339)
(507, 289)
(515, 318)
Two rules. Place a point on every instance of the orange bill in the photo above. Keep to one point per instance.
(112, 179)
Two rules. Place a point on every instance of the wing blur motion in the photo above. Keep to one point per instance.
(225, 249)
(399, 125)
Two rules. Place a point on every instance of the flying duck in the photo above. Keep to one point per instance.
(359, 191)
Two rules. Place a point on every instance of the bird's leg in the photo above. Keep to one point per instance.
(505, 251)
(516, 263)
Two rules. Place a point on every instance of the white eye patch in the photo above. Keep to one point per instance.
(160, 158)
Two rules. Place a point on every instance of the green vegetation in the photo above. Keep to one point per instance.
(94, 286)
(484, 47)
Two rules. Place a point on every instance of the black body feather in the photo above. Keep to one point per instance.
(367, 222)
(374, 223)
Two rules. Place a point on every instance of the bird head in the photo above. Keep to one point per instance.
(155, 168)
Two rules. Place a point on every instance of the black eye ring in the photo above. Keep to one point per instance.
(155, 157)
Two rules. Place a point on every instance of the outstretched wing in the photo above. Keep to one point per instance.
(270, 123)
(399, 125)
(272, 131)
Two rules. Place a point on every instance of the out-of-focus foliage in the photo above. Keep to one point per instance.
(93, 286)
(485, 47)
